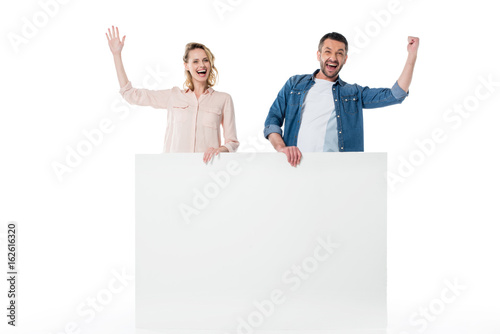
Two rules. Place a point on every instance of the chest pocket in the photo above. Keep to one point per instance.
(180, 113)
(350, 103)
(294, 97)
(212, 117)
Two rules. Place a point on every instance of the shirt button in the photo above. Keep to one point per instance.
(335, 100)
(340, 131)
(338, 115)
(341, 148)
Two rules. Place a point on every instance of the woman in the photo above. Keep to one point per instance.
(196, 112)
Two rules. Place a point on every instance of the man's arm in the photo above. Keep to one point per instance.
(404, 80)
(383, 97)
(274, 122)
(293, 153)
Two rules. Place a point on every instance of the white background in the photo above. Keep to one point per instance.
(76, 231)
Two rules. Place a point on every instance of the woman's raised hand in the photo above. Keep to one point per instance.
(115, 45)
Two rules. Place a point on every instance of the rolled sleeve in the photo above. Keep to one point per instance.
(272, 128)
(125, 88)
(232, 146)
(398, 92)
(276, 115)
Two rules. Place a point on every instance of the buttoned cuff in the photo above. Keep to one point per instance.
(272, 128)
(232, 146)
(398, 92)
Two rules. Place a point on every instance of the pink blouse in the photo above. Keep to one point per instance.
(193, 125)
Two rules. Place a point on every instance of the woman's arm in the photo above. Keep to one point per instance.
(231, 142)
(116, 46)
(143, 97)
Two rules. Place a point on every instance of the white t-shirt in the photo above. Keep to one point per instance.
(318, 128)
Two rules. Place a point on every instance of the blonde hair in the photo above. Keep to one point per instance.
(212, 76)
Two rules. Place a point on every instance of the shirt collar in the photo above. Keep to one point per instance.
(338, 81)
(209, 90)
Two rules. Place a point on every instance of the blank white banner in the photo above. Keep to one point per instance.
(249, 244)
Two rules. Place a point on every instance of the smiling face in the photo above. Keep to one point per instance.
(198, 65)
(332, 57)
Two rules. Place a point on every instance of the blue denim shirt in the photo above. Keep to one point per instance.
(350, 100)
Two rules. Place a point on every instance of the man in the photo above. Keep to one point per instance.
(324, 113)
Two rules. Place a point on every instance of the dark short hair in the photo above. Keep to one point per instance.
(336, 37)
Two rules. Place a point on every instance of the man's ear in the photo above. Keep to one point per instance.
(318, 55)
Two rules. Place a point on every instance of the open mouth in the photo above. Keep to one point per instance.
(202, 73)
(331, 66)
